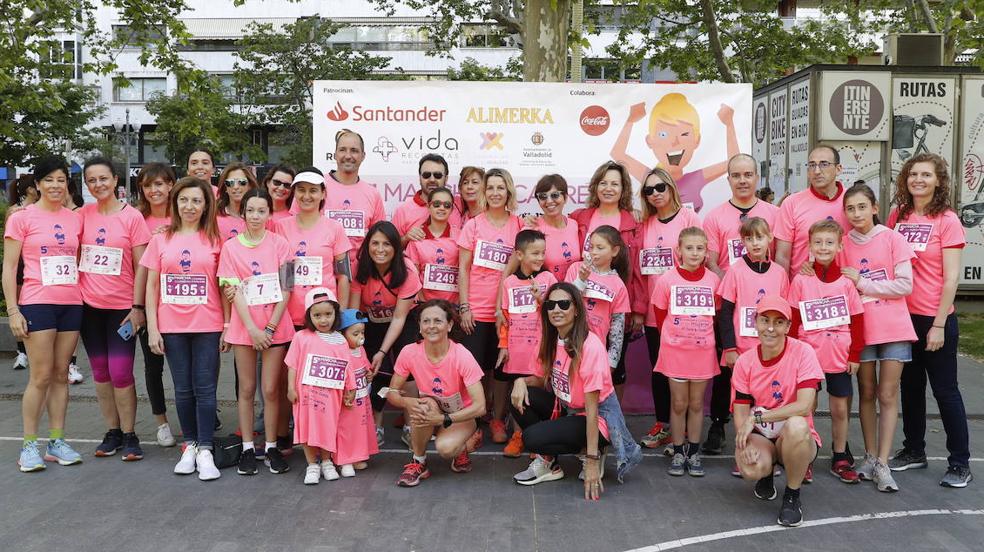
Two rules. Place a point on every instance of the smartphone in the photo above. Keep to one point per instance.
(126, 331)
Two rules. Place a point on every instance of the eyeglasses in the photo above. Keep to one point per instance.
(650, 190)
(279, 183)
(564, 304)
(236, 182)
(436, 175)
(822, 165)
(542, 196)
(442, 204)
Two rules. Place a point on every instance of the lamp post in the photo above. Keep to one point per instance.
(126, 153)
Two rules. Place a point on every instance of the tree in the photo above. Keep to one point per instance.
(471, 70)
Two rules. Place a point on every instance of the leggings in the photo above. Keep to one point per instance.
(661, 385)
(153, 377)
(541, 435)
(110, 356)
(483, 344)
(375, 333)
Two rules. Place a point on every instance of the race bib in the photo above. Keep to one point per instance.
(691, 300)
(59, 270)
(594, 290)
(746, 322)
(770, 430)
(449, 404)
(736, 250)
(441, 277)
(307, 271)
(361, 384)
(492, 255)
(98, 259)
(521, 300)
(184, 289)
(378, 313)
(324, 371)
(263, 289)
(561, 385)
(874, 275)
(917, 234)
(354, 222)
(655, 260)
(819, 314)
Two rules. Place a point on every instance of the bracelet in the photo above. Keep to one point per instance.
(382, 351)
(138, 307)
(940, 327)
(269, 331)
(593, 456)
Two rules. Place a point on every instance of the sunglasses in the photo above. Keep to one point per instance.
(435, 175)
(542, 196)
(236, 182)
(655, 188)
(280, 183)
(564, 304)
(441, 204)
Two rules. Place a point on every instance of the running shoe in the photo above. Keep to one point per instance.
(328, 470)
(883, 478)
(275, 461)
(413, 474)
(348, 470)
(498, 429)
(474, 442)
(20, 363)
(380, 437)
(74, 375)
(678, 466)
(188, 462)
(247, 463)
(312, 474)
(957, 477)
(461, 463)
(657, 436)
(206, 466)
(405, 436)
(539, 471)
(808, 477)
(164, 436)
(694, 466)
(715, 439)
(906, 459)
(112, 442)
(131, 448)
(765, 488)
(841, 469)
(30, 458)
(59, 451)
(866, 471)
(791, 512)
(514, 448)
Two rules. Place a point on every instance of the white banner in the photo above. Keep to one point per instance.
(532, 129)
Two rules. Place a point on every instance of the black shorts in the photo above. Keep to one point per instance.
(840, 384)
(63, 318)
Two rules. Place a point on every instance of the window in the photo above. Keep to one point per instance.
(58, 60)
(139, 90)
(484, 36)
(227, 83)
(127, 36)
(152, 148)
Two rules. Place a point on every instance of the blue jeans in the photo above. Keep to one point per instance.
(628, 453)
(194, 362)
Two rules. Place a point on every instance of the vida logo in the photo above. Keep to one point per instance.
(337, 114)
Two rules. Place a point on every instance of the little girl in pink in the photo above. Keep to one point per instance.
(356, 429)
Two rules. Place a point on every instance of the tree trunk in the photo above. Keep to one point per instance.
(927, 15)
(546, 24)
(714, 41)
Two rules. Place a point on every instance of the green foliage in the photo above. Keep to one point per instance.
(471, 70)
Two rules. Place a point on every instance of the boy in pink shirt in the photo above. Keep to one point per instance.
(356, 428)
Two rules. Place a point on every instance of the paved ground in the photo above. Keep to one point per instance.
(106, 504)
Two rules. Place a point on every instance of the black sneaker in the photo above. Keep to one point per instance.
(957, 477)
(765, 488)
(791, 513)
(131, 448)
(715, 439)
(112, 442)
(906, 459)
(275, 461)
(247, 463)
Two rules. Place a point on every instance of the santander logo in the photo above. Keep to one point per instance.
(594, 120)
(337, 114)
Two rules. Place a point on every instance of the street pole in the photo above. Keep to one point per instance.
(126, 153)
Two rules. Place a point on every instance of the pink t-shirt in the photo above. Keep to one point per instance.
(928, 237)
(355, 206)
(278, 216)
(745, 288)
(657, 256)
(885, 320)
(491, 248)
(829, 307)
(723, 228)
(49, 249)
(593, 374)
(230, 227)
(798, 212)
(604, 296)
(523, 313)
(320, 362)
(562, 249)
(156, 223)
(774, 383)
(436, 259)
(356, 429)
(257, 269)
(446, 381)
(378, 300)
(413, 212)
(597, 219)
(686, 344)
(314, 251)
(106, 266)
(189, 300)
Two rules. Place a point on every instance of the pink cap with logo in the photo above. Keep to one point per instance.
(318, 295)
(774, 303)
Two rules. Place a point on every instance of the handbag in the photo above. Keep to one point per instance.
(226, 451)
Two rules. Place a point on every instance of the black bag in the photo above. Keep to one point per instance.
(226, 451)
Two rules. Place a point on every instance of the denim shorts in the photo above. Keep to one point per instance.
(63, 318)
(899, 350)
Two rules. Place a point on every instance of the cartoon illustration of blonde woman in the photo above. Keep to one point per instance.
(674, 135)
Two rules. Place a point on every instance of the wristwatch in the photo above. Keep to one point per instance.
(447, 420)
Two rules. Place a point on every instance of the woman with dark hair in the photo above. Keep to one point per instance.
(925, 219)
(46, 311)
(201, 165)
(563, 241)
(469, 185)
(278, 183)
(236, 179)
(436, 256)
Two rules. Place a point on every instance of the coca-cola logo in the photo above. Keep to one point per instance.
(338, 113)
(594, 120)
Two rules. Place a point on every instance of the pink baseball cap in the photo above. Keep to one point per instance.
(318, 295)
(774, 303)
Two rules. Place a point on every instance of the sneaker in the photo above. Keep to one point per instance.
(20, 363)
(498, 429)
(883, 478)
(206, 466)
(112, 442)
(164, 436)
(841, 469)
(275, 461)
(668, 450)
(59, 451)
(765, 488)
(694, 466)
(380, 437)
(601, 465)
(791, 512)
(808, 477)
(30, 458)
(312, 474)
(74, 375)
(514, 448)
(131, 448)
(957, 477)
(678, 466)
(405, 436)
(328, 470)
(413, 474)
(461, 463)
(348, 470)
(260, 452)
(657, 436)
(188, 462)
(715, 439)
(866, 471)
(539, 471)
(735, 470)
(906, 459)
(474, 442)
(247, 463)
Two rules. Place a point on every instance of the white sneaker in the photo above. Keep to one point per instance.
(164, 436)
(539, 471)
(328, 470)
(312, 474)
(348, 470)
(186, 466)
(74, 375)
(206, 466)
(20, 363)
